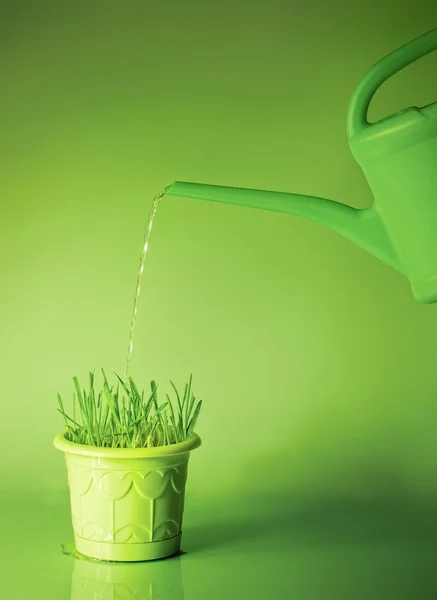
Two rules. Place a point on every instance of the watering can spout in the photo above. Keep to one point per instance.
(398, 156)
(362, 227)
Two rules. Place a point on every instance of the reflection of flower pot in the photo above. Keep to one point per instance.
(127, 503)
(126, 581)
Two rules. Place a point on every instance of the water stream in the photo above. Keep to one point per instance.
(150, 220)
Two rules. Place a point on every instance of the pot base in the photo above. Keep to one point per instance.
(128, 552)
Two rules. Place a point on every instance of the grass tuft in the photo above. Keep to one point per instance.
(119, 416)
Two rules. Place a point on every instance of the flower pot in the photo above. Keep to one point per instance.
(127, 503)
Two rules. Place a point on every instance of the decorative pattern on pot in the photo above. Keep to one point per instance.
(125, 506)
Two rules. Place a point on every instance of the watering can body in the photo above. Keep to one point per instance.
(398, 156)
(399, 159)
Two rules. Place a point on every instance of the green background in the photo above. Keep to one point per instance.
(316, 365)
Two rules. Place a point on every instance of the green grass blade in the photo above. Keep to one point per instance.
(79, 397)
(177, 396)
(61, 409)
(149, 405)
(190, 408)
(83, 409)
(194, 418)
(188, 397)
(172, 417)
(154, 389)
(134, 389)
(123, 384)
(68, 418)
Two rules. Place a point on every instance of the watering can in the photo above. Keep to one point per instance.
(398, 156)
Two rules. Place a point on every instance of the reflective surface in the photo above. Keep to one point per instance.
(277, 547)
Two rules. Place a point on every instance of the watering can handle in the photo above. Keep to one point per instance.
(380, 72)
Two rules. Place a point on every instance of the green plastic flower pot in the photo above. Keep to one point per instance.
(127, 503)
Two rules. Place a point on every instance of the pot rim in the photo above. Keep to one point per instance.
(64, 445)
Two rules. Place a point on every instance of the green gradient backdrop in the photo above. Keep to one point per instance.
(314, 360)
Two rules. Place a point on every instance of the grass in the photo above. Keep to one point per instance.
(121, 417)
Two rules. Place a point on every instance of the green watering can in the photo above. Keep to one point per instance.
(398, 156)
